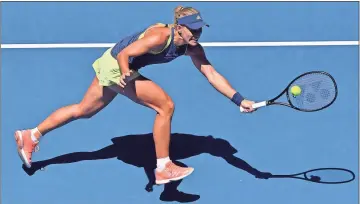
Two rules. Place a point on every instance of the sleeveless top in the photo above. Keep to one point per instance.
(167, 54)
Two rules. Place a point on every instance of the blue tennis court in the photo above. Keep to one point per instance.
(105, 159)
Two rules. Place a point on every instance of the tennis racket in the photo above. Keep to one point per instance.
(322, 175)
(318, 91)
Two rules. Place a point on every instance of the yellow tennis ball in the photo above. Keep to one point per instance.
(295, 90)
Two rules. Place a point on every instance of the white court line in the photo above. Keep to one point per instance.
(205, 44)
(168, 0)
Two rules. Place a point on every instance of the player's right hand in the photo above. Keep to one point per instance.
(122, 78)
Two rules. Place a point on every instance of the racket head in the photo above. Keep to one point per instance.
(318, 91)
(322, 175)
(329, 175)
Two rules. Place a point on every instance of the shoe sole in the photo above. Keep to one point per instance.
(173, 179)
(20, 150)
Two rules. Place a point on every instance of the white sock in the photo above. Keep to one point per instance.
(160, 163)
(33, 131)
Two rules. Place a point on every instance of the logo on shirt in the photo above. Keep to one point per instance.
(170, 56)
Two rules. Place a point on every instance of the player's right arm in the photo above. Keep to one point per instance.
(150, 41)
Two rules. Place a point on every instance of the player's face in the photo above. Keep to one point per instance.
(191, 36)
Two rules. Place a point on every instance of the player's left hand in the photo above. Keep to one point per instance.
(247, 105)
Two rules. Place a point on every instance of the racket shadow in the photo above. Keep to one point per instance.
(323, 175)
(139, 150)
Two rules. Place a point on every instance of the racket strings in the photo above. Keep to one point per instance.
(329, 176)
(318, 90)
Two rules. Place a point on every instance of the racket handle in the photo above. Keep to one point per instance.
(255, 105)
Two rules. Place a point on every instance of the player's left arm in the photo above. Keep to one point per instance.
(219, 82)
(200, 61)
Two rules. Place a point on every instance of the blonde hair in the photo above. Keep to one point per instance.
(181, 11)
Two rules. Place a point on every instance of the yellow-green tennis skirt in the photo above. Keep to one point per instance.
(107, 69)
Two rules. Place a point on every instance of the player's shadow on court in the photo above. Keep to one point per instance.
(139, 150)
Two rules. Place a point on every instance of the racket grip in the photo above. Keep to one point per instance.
(255, 105)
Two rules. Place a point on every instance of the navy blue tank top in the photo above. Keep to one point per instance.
(169, 52)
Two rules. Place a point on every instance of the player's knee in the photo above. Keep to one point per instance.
(81, 112)
(167, 108)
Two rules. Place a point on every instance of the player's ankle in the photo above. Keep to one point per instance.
(161, 163)
(35, 134)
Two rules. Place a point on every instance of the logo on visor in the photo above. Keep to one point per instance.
(198, 17)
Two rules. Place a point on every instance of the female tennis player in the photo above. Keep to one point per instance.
(117, 73)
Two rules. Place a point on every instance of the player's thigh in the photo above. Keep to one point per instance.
(146, 92)
(95, 99)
